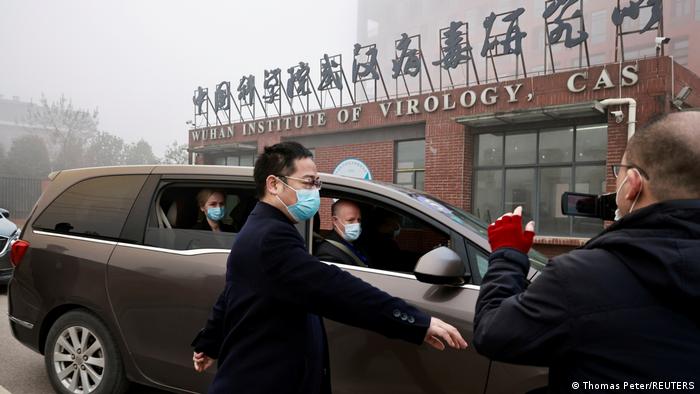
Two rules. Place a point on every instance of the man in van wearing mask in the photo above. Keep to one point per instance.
(340, 247)
(622, 312)
(266, 329)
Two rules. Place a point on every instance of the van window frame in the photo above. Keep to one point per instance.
(456, 240)
(84, 235)
(148, 215)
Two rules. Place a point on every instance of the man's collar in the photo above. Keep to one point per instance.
(266, 210)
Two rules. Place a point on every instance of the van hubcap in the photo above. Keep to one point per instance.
(78, 358)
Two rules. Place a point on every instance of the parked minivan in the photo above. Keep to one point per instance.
(112, 282)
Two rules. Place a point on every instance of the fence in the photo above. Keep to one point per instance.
(18, 195)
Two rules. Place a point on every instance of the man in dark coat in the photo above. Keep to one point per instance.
(622, 312)
(266, 329)
(339, 247)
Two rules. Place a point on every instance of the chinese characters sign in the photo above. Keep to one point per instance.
(327, 82)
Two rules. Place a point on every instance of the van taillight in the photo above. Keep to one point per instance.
(19, 248)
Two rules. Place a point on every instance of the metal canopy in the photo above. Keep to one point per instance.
(223, 148)
(533, 115)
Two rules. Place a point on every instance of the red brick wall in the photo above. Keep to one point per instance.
(445, 163)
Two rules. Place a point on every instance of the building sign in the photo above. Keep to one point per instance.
(292, 91)
(578, 82)
(353, 168)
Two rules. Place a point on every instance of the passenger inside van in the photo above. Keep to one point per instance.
(382, 243)
(212, 209)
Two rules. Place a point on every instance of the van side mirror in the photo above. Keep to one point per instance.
(441, 266)
(5, 212)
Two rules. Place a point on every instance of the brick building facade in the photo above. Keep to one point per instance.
(453, 128)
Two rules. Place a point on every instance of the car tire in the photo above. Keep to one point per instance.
(80, 352)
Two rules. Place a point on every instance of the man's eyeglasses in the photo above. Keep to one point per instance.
(616, 169)
(308, 182)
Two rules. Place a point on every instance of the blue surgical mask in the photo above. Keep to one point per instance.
(352, 231)
(215, 214)
(308, 202)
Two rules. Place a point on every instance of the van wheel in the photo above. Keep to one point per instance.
(81, 356)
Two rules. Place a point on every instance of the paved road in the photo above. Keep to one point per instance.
(22, 370)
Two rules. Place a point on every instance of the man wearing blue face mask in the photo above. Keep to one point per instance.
(620, 313)
(266, 329)
(339, 247)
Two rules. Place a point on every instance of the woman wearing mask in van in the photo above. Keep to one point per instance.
(212, 209)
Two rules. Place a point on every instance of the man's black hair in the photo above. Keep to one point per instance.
(277, 160)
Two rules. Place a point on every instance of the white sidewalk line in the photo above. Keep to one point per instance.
(4, 391)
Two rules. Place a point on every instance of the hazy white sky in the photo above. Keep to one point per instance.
(138, 61)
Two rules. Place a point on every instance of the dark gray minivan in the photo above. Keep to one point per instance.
(113, 280)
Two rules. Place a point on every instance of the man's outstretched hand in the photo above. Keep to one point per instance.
(507, 232)
(202, 361)
(440, 332)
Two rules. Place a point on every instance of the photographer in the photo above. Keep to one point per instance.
(624, 307)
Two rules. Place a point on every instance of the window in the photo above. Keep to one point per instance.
(410, 164)
(520, 149)
(176, 221)
(482, 261)
(391, 239)
(242, 159)
(489, 184)
(520, 190)
(534, 168)
(589, 179)
(96, 207)
(599, 26)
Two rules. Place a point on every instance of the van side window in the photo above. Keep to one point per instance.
(96, 207)
(482, 262)
(390, 239)
(177, 222)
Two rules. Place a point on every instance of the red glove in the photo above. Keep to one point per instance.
(508, 232)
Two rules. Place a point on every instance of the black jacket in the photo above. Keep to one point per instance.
(264, 328)
(331, 253)
(623, 308)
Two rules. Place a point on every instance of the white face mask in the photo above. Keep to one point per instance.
(618, 214)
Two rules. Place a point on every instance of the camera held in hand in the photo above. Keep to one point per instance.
(589, 205)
